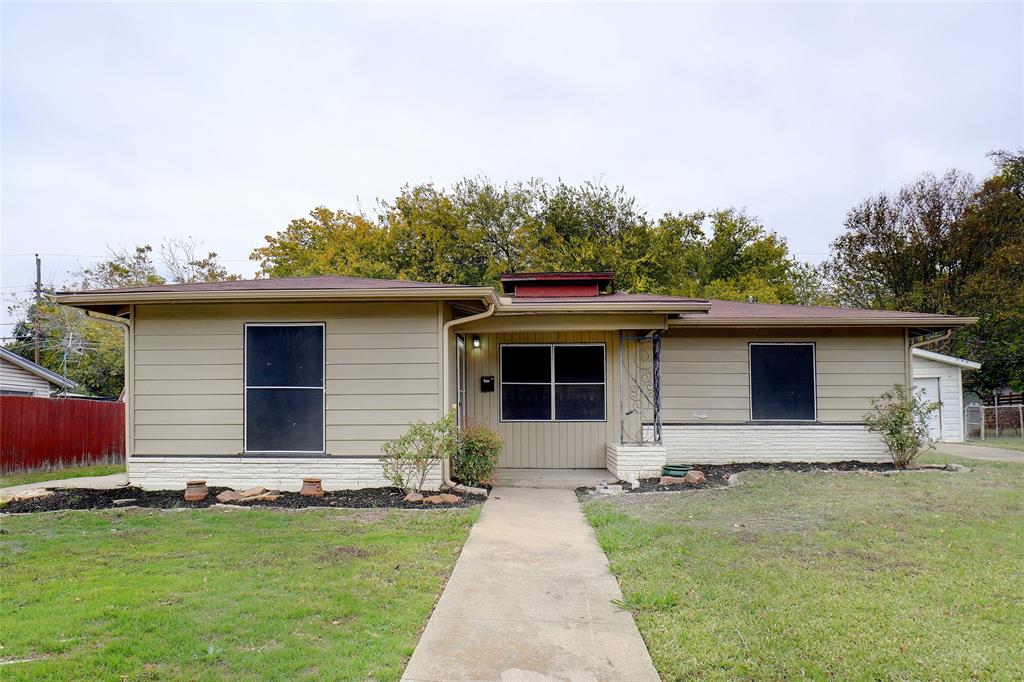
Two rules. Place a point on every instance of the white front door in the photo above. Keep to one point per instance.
(930, 385)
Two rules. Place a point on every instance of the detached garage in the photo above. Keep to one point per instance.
(939, 376)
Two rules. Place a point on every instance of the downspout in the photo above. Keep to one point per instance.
(910, 353)
(445, 389)
(126, 327)
(945, 335)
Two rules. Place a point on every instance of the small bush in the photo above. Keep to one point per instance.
(900, 417)
(477, 455)
(408, 459)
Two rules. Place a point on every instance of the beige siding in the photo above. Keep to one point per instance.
(382, 373)
(705, 373)
(543, 444)
(14, 378)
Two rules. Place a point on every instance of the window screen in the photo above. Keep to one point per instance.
(284, 388)
(782, 381)
(553, 382)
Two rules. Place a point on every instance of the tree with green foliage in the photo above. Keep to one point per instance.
(477, 229)
(87, 352)
(92, 353)
(951, 246)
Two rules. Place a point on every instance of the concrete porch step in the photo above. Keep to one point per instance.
(566, 479)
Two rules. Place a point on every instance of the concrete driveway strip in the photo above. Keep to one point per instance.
(96, 482)
(981, 452)
(530, 599)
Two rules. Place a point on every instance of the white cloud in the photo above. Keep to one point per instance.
(129, 123)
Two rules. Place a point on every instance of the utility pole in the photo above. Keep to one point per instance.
(35, 310)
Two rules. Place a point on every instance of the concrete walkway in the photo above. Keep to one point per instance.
(95, 482)
(567, 479)
(530, 599)
(981, 452)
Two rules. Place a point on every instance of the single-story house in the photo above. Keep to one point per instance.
(22, 377)
(940, 377)
(265, 381)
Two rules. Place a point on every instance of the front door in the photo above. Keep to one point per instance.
(930, 386)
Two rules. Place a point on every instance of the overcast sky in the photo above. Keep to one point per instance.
(127, 123)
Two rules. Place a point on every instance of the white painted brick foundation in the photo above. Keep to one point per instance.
(642, 461)
(277, 473)
(723, 444)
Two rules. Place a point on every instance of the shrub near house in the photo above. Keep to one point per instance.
(900, 418)
(477, 455)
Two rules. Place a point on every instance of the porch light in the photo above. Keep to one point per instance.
(476, 341)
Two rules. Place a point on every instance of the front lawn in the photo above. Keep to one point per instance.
(1016, 443)
(826, 575)
(60, 474)
(214, 594)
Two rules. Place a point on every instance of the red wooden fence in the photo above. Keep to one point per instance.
(51, 433)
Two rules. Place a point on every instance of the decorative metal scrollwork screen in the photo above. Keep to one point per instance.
(640, 389)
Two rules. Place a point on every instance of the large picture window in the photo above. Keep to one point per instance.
(782, 381)
(552, 382)
(284, 387)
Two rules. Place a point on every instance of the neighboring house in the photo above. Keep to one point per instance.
(21, 377)
(266, 381)
(940, 377)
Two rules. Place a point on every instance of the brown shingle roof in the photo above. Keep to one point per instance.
(741, 310)
(319, 282)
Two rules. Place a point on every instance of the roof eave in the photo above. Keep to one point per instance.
(945, 359)
(98, 298)
(916, 322)
(625, 307)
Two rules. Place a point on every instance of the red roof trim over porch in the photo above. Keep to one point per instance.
(556, 284)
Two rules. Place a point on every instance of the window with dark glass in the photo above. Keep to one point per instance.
(284, 388)
(553, 382)
(782, 381)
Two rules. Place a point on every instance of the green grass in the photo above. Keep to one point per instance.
(58, 474)
(839, 576)
(1004, 442)
(211, 595)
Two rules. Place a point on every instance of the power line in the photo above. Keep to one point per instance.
(98, 257)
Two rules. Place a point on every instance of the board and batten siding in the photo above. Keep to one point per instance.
(950, 395)
(532, 445)
(19, 380)
(382, 372)
(706, 374)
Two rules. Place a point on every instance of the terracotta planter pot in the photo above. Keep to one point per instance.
(311, 488)
(196, 491)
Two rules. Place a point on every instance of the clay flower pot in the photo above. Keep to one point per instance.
(196, 491)
(311, 488)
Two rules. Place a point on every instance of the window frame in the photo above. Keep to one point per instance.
(552, 384)
(246, 387)
(814, 380)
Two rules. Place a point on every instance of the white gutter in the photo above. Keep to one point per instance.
(445, 389)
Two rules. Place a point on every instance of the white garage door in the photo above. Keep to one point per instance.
(931, 393)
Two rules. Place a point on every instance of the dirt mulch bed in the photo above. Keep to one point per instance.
(717, 475)
(86, 498)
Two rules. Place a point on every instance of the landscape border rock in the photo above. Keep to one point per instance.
(725, 475)
(365, 498)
